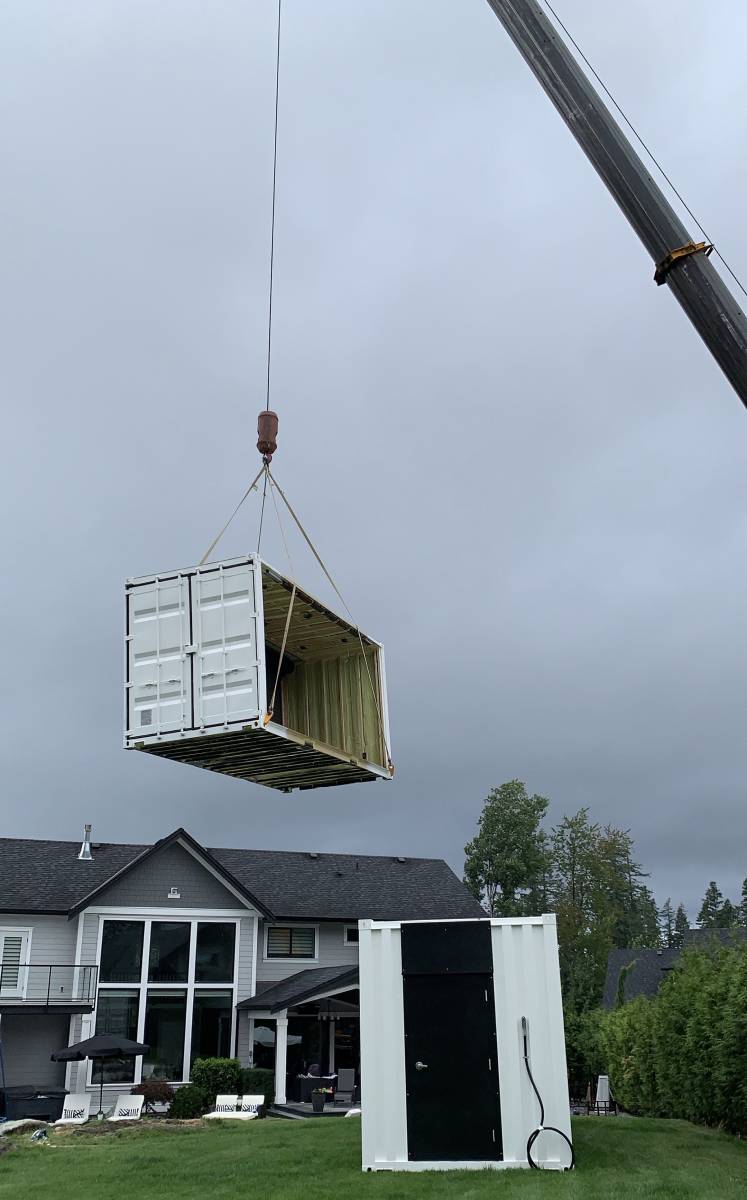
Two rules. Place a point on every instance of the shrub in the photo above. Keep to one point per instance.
(217, 1075)
(155, 1092)
(684, 1052)
(256, 1081)
(189, 1101)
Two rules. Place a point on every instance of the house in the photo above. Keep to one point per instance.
(645, 970)
(194, 951)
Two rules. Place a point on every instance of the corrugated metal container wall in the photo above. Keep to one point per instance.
(203, 660)
(525, 983)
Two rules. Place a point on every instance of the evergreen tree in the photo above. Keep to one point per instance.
(681, 926)
(666, 923)
(710, 909)
(506, 863)
(728, 916)
(743, 906)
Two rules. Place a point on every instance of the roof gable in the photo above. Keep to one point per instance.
(122, 888)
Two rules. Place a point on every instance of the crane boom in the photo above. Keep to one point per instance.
(680, 262)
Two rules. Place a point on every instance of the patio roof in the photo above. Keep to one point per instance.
(303, 987)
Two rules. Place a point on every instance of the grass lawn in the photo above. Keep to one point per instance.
(317, 1160)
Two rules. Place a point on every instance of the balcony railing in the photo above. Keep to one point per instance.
(47, 984)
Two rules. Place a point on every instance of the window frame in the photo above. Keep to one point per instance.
(267, 957)
(25, 933)
(356, 939)
(193, 918)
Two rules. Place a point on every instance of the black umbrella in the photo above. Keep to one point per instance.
(101, 1046)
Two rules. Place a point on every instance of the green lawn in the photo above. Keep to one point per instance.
(319, 1160)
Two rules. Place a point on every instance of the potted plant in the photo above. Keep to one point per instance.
(318, 1098)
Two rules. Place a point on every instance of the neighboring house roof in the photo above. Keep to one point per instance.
(304, 986)
(649, 968)
(47, 877)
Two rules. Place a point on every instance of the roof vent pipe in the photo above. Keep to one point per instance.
(85, 850)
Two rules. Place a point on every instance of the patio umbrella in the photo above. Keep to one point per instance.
(101, 1047)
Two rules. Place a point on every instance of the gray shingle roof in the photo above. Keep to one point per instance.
(649, 970)
(651, 967)
(302, 986)
(46, 876)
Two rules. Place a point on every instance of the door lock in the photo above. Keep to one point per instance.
(421, 1066)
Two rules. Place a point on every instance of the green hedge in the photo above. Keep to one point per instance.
(217, 1076)
(256, 1081)
(684, 1052)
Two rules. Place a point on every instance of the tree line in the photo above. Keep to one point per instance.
(585, 873)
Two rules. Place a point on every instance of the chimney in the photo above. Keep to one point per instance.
(85, 850)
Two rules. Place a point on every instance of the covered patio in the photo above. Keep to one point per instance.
(305, 1028)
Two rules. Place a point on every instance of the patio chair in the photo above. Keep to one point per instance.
(345, 1089)
(76, 1109)
(253, 1105)
(227, 1109)
(127, 1108)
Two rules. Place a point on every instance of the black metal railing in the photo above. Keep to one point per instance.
(48, 983)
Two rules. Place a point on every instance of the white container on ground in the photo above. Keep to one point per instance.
(203, 646)
(444, 1081)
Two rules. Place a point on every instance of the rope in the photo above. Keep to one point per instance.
(342, 600)
(262, 509)
(216, 539)
(274, 190)
(271, 706)
(640, 140)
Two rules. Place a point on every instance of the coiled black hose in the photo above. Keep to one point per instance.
(541, 1128)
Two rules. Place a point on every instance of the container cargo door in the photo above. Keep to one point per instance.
(451, 1062)
(159, 692)
(226, 667)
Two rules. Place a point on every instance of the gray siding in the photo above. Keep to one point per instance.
(331, 952)
(149, 884)
(52, 938)
(28, 1042)
(89, 940)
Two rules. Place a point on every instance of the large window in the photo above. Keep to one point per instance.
(121, 951)
(180, 999)
(211, 1024)
(214, 953)
(291, 941)
(165, 1018)
(116, 1014)
(168, 961)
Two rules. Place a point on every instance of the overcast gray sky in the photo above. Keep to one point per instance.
(521, 462)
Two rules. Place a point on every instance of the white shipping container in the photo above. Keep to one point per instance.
(203, 651)
(445, 1084)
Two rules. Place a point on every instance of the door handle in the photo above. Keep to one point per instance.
(421, 1066)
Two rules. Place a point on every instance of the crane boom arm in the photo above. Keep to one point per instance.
(680, 262)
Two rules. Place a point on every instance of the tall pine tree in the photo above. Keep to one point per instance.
(743, 905)
(666, 923)
(681, 926)
(710, 909)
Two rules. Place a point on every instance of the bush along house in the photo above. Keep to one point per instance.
(195, 952)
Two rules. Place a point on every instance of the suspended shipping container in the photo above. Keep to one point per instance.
(204, 649)
(454, 1016)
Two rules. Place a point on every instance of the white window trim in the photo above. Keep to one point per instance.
(23, 975)
(193, 918)
(290, 957)
(346, 940)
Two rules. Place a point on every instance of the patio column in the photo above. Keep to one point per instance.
(281, 1056)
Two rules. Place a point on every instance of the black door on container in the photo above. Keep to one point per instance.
(451, 1069)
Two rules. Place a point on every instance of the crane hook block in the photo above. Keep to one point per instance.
(267, 433)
